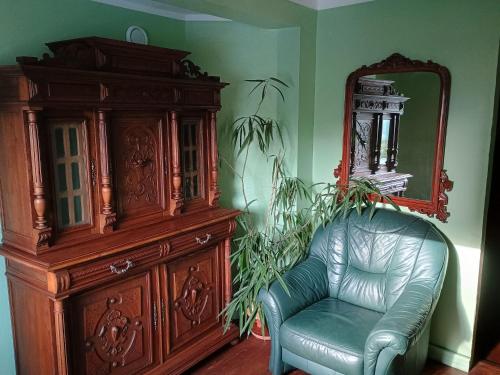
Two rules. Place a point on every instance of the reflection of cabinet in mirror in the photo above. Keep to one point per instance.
(377, 109)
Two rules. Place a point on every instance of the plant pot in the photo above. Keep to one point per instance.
(257, 330)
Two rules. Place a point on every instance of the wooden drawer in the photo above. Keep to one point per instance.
(200, 238)
(113, 267)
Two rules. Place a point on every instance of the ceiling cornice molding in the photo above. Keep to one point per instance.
(328, 4)
(161, 9)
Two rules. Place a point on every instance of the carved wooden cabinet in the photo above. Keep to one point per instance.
(117, 252)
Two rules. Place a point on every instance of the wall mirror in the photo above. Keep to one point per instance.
(395, 129)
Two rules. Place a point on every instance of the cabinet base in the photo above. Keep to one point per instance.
(178, 363)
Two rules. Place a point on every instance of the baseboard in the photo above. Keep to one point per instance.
(449, 358)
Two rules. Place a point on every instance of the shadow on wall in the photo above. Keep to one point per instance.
(450, 318)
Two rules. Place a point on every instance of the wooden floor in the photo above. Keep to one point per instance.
(494, 355)
(485, 368)
(491, 365)
(251, 357)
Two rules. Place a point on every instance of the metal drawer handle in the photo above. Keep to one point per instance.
(207, 238)
(128, 265)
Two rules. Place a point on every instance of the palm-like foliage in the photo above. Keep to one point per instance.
(264, 252)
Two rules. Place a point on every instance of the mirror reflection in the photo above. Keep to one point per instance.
(394, 129)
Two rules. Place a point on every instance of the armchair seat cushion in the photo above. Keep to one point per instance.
(331, 333)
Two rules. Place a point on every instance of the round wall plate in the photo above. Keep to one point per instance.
(137, 34)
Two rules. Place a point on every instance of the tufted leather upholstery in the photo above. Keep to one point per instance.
(361, 302)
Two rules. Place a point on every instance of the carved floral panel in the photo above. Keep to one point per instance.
(195, 295)
(114, 328)
(138, 164)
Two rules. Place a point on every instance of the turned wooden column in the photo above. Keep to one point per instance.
(176, 196)
(60, 337)
(42, 233)
(214, 192)
(107, 217)
(228, 290)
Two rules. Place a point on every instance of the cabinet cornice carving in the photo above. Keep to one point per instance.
(191, 70)
(59, 282)
(164, 248)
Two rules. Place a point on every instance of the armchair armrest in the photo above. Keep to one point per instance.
(307, 283)
(400, 327)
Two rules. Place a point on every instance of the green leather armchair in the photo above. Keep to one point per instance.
(362, 301)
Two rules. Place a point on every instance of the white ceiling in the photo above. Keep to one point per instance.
(327, 4)
(161, 9)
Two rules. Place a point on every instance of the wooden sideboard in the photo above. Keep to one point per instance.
(117, 253)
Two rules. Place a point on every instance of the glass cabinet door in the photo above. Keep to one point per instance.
(70, 160)
(191, 157)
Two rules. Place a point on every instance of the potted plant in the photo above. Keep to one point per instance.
(264, 250)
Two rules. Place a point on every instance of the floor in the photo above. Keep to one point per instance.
(250, 357)
(494, 355)
(491, 365)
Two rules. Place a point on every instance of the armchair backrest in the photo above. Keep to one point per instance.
(370, 262)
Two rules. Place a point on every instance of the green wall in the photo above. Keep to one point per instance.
(463, 36)
(237, 52)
